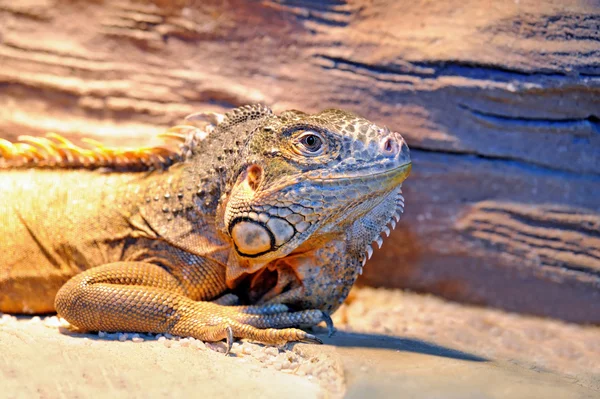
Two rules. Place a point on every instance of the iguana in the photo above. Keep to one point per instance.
(245, 224)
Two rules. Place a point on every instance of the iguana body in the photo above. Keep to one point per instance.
(277, 210)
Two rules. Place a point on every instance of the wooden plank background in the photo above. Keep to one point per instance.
(498, 100)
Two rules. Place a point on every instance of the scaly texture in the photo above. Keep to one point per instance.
(252, 225)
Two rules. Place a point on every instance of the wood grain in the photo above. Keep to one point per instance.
(500, 102)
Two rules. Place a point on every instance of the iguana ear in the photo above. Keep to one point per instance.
(242, 193)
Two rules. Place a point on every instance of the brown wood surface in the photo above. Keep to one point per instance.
(499, 101)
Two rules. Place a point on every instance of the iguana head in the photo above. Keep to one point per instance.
(302, 180)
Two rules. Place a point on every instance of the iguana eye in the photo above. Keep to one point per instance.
(310, 143)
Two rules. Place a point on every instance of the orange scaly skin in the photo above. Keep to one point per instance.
(251, 226)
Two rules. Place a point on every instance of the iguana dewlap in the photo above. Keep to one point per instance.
(276, 212)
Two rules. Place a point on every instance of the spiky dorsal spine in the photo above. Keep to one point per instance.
(56, 152)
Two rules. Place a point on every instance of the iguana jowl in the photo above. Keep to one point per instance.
(274, 211)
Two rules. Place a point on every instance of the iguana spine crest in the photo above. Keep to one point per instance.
(57, 152)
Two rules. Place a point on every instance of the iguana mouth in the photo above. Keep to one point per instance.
(392, 178)
(398, 173)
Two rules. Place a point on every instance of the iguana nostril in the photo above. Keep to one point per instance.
(389, 146)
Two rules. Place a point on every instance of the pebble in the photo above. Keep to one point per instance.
(136, 338)
(7, 318)
(272, 351)
(55, 321)
(199, 344)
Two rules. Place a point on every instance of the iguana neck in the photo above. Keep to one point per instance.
(191, 189)
(178, 191)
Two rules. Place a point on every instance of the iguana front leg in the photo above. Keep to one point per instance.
(143, 297)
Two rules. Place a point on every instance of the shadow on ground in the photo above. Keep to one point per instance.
(379, 341)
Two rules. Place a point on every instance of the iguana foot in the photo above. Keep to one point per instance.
(281, 313)
(269, 324)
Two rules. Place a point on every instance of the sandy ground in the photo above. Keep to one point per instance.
(388, 344)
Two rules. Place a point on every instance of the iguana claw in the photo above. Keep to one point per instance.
(311, 339)
(329, 323)
(229, 340)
